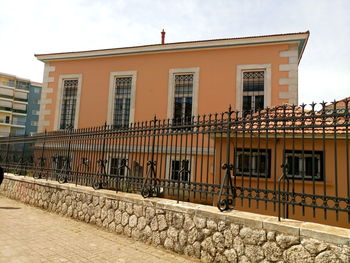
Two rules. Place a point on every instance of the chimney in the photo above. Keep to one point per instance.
(163, 36)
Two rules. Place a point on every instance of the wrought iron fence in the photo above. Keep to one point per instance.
(289, 161)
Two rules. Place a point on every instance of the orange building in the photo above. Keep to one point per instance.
(124, 85)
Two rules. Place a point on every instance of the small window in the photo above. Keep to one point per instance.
(7, 119)
(183, 99)
(180, 170)
(253, 162)
(61, 162)
(118, 166)
(69, 101)
(121, 114)
(37, 90)
(253, 91)
(305, 165)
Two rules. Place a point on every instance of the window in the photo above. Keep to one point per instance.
(61, 162)
(118, 166)
(7, 119)
(183, 88)
(180, 170)
(121, 100)
(183, 98)
(22, 85)
(305, 165)
(69, 101)
(121, 112)
(37, 90)
(253, 91)
(253, 162)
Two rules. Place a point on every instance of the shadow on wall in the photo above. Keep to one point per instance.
(1, 175)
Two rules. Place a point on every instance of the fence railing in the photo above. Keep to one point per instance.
(288, 161)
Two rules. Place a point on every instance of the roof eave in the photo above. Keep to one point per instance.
(300, 38)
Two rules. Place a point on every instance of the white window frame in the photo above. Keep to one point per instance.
(302, 165)
(170, 158)
(112, 77)
(60, 87)
(171, 89)
(239, 83)
(253, 155)
(116, 155)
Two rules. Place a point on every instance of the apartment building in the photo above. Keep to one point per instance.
(17, 95)
(13, 104)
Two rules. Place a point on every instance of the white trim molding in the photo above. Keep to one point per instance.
(171, 89)
(239, 83)
(292, 68)
(45, 90)
(111, 94)
(59, 99)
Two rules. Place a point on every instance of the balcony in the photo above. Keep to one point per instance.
(20, 96)
(22, 85)
(5, 109)
(19, 123)
(20, 100)
(19, 111)
(8, 83)
(5, 121)
(6, 92)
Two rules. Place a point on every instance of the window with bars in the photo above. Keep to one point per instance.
(118, 166)
(180, 170)
(69, 101)
(253, 91)
(122, 97)
(253, 162)
(305, 165)
(183, 98)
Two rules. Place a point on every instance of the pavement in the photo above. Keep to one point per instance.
(29, 234)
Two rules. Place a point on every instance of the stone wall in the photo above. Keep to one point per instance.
(195, 230)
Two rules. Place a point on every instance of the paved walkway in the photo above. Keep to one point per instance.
(28, 234)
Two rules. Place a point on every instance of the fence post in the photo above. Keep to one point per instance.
(151, 180)
(226, 184)
(42, 160)
(7, 152)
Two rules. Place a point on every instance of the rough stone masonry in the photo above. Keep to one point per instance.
(195, 230)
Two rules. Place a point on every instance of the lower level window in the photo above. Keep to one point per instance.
(180, 170)
(307, 165)
(118, 166)
(252, 162)
(61, 162)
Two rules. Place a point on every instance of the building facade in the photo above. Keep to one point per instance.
(19, 105)
(13, 104)
(33, 107)
(177, 80)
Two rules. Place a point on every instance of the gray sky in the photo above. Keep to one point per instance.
(44, 26)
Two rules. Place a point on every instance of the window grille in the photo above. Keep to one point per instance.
(69, 101)
(253, 162)
(183, 98)
(253, 91)
(122, 101)
(305, 165)
(116, 166)
(180, 169)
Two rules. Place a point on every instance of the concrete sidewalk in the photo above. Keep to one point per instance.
(28, 234)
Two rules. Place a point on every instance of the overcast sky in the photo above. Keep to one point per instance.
(31, 27)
